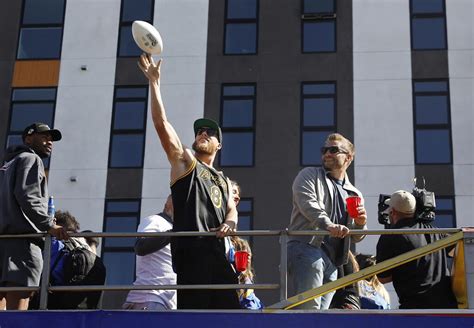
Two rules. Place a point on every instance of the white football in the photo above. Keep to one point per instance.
(147, 37)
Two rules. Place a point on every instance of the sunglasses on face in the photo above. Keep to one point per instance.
(209, 131)
(333, 150)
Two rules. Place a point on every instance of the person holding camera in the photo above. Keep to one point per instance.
(319, 203)
(423, 283)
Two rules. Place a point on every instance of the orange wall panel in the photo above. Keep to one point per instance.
(36, 73)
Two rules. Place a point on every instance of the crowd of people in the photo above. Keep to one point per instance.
(203, 199)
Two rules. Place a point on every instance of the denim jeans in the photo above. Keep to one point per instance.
(309, 267)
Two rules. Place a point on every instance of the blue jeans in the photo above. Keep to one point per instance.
(309, 267)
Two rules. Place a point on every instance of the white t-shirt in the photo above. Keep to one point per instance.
(155, 268)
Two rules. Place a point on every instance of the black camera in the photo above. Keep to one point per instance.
(425, 205)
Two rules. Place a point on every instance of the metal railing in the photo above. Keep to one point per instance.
(44, 287)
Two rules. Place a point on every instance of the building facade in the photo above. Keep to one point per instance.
(396, 77)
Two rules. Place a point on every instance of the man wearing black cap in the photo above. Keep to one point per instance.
(202, 202)
(23, 210)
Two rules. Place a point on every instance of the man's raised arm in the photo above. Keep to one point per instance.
(172, 146)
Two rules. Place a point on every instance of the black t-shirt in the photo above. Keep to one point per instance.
(200, 202)
(423, 283)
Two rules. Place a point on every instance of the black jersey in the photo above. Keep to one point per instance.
(199, 199)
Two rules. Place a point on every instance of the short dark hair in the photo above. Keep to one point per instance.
(67, 220)
(92, 240)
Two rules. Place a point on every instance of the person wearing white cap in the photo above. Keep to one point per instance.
(423, 283)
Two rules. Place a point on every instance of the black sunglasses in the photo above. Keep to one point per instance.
(209, 131)
(333, 150)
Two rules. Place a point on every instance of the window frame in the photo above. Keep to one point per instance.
(249, 214)
(119, 249)
(447, 212)
(39, 26)
(114, 132)
(124, 23)
(442, 15)
(251, 129)
(326, 128)
(9, 132)
(318, 17)
(426, 127)
(241, 21)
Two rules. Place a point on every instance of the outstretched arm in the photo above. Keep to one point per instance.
(179, 159)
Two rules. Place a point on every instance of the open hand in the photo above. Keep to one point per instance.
(149, 67)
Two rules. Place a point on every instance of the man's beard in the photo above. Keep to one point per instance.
(205, 149)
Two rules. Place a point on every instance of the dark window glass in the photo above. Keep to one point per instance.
(120, 267)
(121, 93)
(433, 146)
(237, 122)
(120, 224)
(129, 115)
(319, 88)
(34, 94)
(128, 128)
(245, 209)
(127, 46)
(23, 114)
(428, 33)
(241, 9)
(431, 109)
(241, 27)
(318, 112)
(245, 205)
(118, 253)
(132, 10)
(137, 10)
(241, 39)
(238, 150)
(319, 36)
(312, 142)
(238, 113)
(318, 117)
(43, 12)
(127, 150)
(239, 90)
(432, 122)
(40, 43)
(123, 206)
(445, 212)
(318, 6)
(431, 86)
(14, 139)
(27, 106)
(428, 25)
(427, 6)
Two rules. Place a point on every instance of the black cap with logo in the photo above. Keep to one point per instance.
(41, 128)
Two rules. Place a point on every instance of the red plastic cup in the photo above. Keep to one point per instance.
(352, 203)
(241, 260)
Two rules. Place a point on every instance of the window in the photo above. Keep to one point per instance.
(128, 127)
(432, 122)
(41, 29)
(245, 209)
(241, 28)
(238, 125)
(118, 253)
(318, 117)
(428, 24)
(30, 105)
(132, 10)
(445, 213)
(318, 26)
